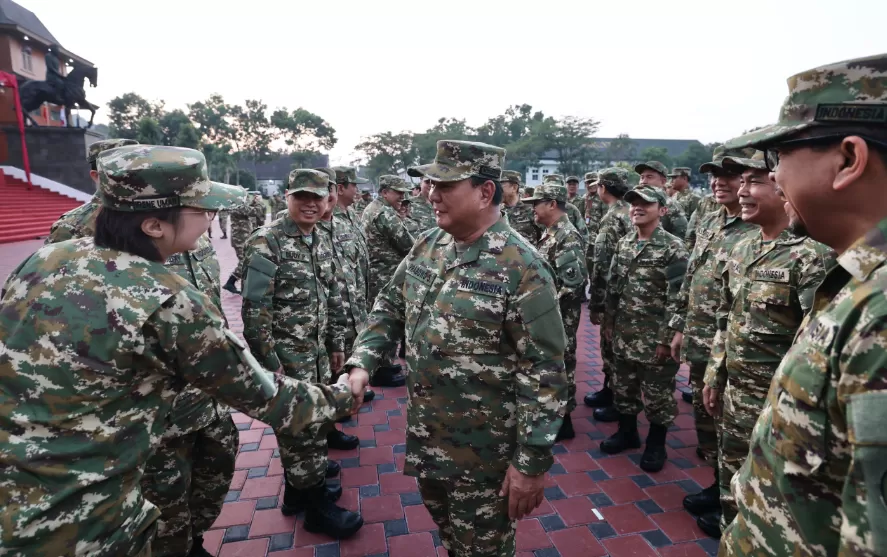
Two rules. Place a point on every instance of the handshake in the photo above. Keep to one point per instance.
(357, 380)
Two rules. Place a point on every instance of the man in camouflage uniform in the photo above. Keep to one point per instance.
(576, 218)
(294, 323)
(406, 215)
(679, 178)
(654, 173)
(74, 448)
(594, 212)
(646, 274)
(80, 221)
(388, 241)
(520, 215)
(223, 224)
(573, 196)
(767, 285)
(813, 482)
(695, 322)
(242, 225)
(485, 346)
(363, 200)
(611, 188)
(564, 249)
(259, 209)
(707, 204)
(422, 211)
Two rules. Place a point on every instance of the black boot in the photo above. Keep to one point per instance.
(230, 286)
(332, 469)
(710, 524)
(388, 376)
(655, 455)
(607, 414)
(566, 430)
(322, 516)
(369, 395)
(296, 500)
(197, 549)
(336, 439)
(687, 396)
(706, 501)
(626, 438)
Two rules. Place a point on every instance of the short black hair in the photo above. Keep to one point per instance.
(562, 205)
(617, 191)
(122, 230)
(477, 181)
(93, 165)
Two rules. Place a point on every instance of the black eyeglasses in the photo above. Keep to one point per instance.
(771, 154)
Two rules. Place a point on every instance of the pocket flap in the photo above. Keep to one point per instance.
(770, 293)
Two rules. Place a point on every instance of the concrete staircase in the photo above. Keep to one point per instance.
(28, 214)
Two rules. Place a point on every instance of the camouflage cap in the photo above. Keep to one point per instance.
(348, 175)
(651, 165)
(312, 181)
(611, 178)
(591, 177)
(848, 93)
(647, 193)
(572, 179)
(395, 183)
(329, 172)
(554, 179)
(458, 160)
(721, 152)
(549, 192)
(99, 146)
(417, 171)
(739, 164)
(512, 176)
(150, 177)
(680, 171)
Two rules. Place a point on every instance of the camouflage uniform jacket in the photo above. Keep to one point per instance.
(700, 295)
(564, 250)
(579, 203)
(359, 206)
(688, 200)
(423, 213)
(292, 306)
(88, 376)
(643, 294)
(595, 209)
(614, 226)
(675, 221)
(813, 483)
(258, 212)
(523, 220)
(411, 224)
(578, 221)
(76, 223)
(485, 347)
(350, 236)
(388, 242)
(766, 289)
(706, 205)
(242, 219)
(332, 233)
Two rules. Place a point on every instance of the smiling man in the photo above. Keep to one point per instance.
(814, 480)
(485, 344)
(654, 173)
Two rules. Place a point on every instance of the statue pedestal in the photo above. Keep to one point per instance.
(54, 152)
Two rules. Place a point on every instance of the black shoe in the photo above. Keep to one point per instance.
(706, 501)
(626, 438)
(608, 414)
(230, 286)
(369, 395)
(388, 376)
(339, 441)
(224, 237)
(687, 396)
(332, 468)
(700, 453)
(655, 455)
(600, 399)
(566, 430)
(295, 500)
(322, 516)
(710, 524)
(197, 549)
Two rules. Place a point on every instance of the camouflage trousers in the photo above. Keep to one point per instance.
(571, 314)
(240, 231)
(608, 360)
(740, 411)
(472, 519)
(187, 478)
(706, 432)
(304, 456)
(631, 379)
(223, 222)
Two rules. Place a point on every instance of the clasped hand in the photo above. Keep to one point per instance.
(357, 379)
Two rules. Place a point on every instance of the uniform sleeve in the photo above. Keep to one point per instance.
(812, 274)
(611, 298)
(385, 324)
(336, 320)
(604, 248)
(675, 272)
(677, 221)
(679, 317)
(571, 270)
(60, 232)
(533, 325)
(258, 299)
(691, 231)
(716, 370)
(394, 229)
(188, 331)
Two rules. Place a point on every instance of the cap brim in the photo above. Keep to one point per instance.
(709, 166)
(362, 180)
(445, 173)
(640, 168)
(417, 171)
(744, 163)
(631, 194)
(319, 192)
(530, 199)
(767, 135)
(218, 197)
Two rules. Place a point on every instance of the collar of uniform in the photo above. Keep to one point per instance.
(656, 239)
(493, 241)
(561, 222)
(866, 254)
(291, 229)
(325, 224)
(789, 238)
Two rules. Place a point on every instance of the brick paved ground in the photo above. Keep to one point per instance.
(595, 504)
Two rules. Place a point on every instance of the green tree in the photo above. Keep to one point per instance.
(656, 154)
(388, 153)
(149, 132)
(245, 178)
(216, 120)
(693, 157)
(172, 123)
(446, 128)
(187, 136)
(303, 130)
(303, 159)
(632, 177)
(126, 112)
(254, 130)
(220, 161)
(525, 134)
(622, 148)
(571, 138)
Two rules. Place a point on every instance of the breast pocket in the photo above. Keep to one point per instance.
(770, 309)
(473, 324)
(294, 281)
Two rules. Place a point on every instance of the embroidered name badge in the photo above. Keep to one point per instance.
(481, 287)
(821, 333)
(772, 275)
(204, 252)
(421, 272)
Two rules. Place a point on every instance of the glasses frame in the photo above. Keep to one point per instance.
(771, 154)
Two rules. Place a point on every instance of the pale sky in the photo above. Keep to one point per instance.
(655, 69)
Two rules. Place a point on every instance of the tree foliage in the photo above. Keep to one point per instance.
(656, 154)
(149, 132)
(126, 112)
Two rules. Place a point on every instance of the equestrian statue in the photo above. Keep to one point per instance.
(58, 89)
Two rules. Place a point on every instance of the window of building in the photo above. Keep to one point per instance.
(544, 171)
(535, 176)
(27, 62)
